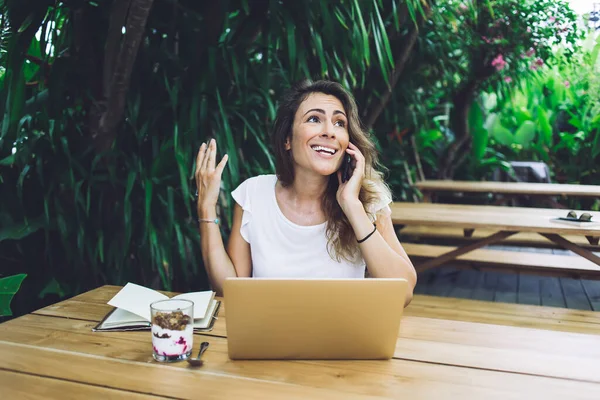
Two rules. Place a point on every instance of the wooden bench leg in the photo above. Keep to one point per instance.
(553, 203)
(451, 255)
(564, 243)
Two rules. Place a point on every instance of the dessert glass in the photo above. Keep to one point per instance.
(172, 329)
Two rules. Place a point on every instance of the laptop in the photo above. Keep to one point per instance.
(352, 319)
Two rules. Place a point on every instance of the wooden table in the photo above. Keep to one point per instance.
(507, 189)
(506, 221)
(52, 353)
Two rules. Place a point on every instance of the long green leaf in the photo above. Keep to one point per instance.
(15, 101)
(364, 33)
(291, 40)
(320, 52)
(378, 50)
(148, 203)
(544, 125)
(383, 36)
(340, 17)
(478, 131)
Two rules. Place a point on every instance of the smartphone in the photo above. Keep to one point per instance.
(346, 168)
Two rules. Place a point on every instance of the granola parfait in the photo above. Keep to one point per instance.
(172, 329)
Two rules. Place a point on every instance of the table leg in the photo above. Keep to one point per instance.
(501, 201)
(451, 255)
(426, 197)
(553, 203)
(566, 244)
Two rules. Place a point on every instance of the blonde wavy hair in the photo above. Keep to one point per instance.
(341, 240)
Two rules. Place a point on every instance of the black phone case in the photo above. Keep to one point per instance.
(346, 168)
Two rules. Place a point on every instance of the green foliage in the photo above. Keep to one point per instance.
(9, 286)
(494, 45)
(74, 215)
(480, 136)
(554, 117)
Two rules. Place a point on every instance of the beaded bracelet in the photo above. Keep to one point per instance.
(216, 220)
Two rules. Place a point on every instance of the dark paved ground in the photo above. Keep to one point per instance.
(522, 288)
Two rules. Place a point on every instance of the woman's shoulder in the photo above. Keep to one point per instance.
(255, 185)
(382, 198)
(260, 181)
(264, 179)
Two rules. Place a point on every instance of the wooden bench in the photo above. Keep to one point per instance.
(508, 189)
(553, 264)
(456, 234)
(521, 315)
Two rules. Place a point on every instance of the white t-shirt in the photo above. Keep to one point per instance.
(281, 248)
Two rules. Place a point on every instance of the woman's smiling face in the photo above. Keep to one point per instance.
(319, 134)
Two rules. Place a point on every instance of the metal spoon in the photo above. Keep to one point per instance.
(197, 362)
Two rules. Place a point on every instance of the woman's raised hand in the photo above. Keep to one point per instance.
(208, 176)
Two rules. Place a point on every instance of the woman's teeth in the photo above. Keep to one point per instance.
(322, 149)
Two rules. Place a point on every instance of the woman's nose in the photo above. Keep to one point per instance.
(328, 130)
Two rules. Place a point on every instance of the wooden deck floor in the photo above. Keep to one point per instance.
(522, 288)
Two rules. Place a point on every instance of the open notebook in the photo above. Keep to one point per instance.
(132, 309)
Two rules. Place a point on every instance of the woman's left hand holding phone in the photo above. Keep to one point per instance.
(347, 194)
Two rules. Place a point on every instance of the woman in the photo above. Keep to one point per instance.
(305, 221)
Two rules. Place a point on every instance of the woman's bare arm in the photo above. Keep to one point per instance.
(218, 263)
(382, 251)
(237, 248)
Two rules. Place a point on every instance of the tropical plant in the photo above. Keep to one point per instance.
(106, 103)
(554, 117)
(498, 43)
(463, 49)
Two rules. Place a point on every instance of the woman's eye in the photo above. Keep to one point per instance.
(341, 123)
(313, 118)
